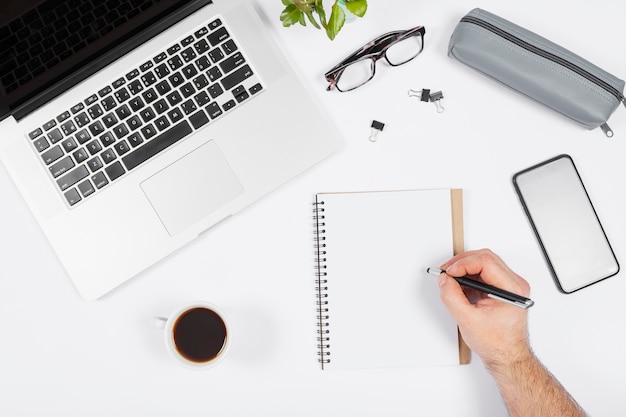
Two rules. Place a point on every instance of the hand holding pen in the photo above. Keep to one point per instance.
(491, 328)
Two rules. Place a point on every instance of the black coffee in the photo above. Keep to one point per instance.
(199, 334)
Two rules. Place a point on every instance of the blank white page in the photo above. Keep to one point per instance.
(384, 309)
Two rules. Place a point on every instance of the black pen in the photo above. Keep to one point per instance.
(491, 291)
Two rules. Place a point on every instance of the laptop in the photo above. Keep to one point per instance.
(131, 127)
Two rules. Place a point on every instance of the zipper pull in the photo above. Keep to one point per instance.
(607, 130)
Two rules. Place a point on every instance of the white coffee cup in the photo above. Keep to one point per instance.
(197, 335)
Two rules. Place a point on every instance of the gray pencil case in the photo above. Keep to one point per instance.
(538, 68)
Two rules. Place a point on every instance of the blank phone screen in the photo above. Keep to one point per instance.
(565, 223)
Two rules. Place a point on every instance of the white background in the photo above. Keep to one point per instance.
(62, 356)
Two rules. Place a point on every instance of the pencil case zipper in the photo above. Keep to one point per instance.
(556, 59)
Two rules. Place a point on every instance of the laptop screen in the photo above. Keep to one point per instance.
(48, 46)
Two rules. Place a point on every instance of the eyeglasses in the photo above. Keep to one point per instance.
(398, 47)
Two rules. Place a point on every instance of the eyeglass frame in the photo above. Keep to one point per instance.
(373, 50)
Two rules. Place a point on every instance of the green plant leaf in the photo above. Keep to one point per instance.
(335, 22)
(287, 2)
(291, 15)
(312, 20)
(356, 7)
(319, 8)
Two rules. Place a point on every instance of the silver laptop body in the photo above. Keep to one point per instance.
(142, 170)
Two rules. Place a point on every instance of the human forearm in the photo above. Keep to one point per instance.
(530, 390)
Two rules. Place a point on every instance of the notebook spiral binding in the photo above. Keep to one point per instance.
(321, 288)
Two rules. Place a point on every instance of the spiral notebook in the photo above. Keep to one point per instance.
(377, 306)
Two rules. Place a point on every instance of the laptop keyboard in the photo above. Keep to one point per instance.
(148, 109)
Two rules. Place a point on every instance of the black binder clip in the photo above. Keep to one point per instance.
(376, 127)
(425, 96)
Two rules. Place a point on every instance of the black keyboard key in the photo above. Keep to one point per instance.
(95, 111)
(201, 32)
(134, 123)
(94, 147)
(107, 139)
(88, 101)
(187, 90)
(161, 71)
(149, 95)
(203, 63)
(136, 103)
(69, 144)
(146, 66)
(198, 119)
(189, 71)
(49, 125)
(188, 54)
(175, 62)
(214, 73)
(173, 49)
(229, 47)
(214, 110)
(72, 197)
(41, 144)
(95, 164)
(135, 87)
(133, 74)
(187, 41)
(148, 78)
(123, 112)
(106, 90)
(215, 90)
(161, 106)
(80, 155)
(35, 133)
(215, 24)
(82, 136)
(82, 119)
(63, 116)
(232, 62)
(55, 135)
(122, 95)
(156, 145)
(121, 148)
(99, 180)
(175, 115)
(52, 155)
(176, 79)
(108, 156)
(135, 140)
(216, 55)
(229, 105)
(96, 128)
(162, 123)
(109, 120)
(86, 189)
(160, 57)
(73, 177)
(218, 36)
(201, 46)
(114, 171)
(108, 103)
(61, 167)
(119, 82)
(120, 130)
(236, 77)
(163, 87)
(148, 131)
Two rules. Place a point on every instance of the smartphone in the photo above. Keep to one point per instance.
(566, 224)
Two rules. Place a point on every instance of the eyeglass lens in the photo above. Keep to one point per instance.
(360, 72)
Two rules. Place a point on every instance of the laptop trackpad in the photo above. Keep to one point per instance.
(192, 187)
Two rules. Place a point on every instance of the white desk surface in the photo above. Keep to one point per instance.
(62, 356)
